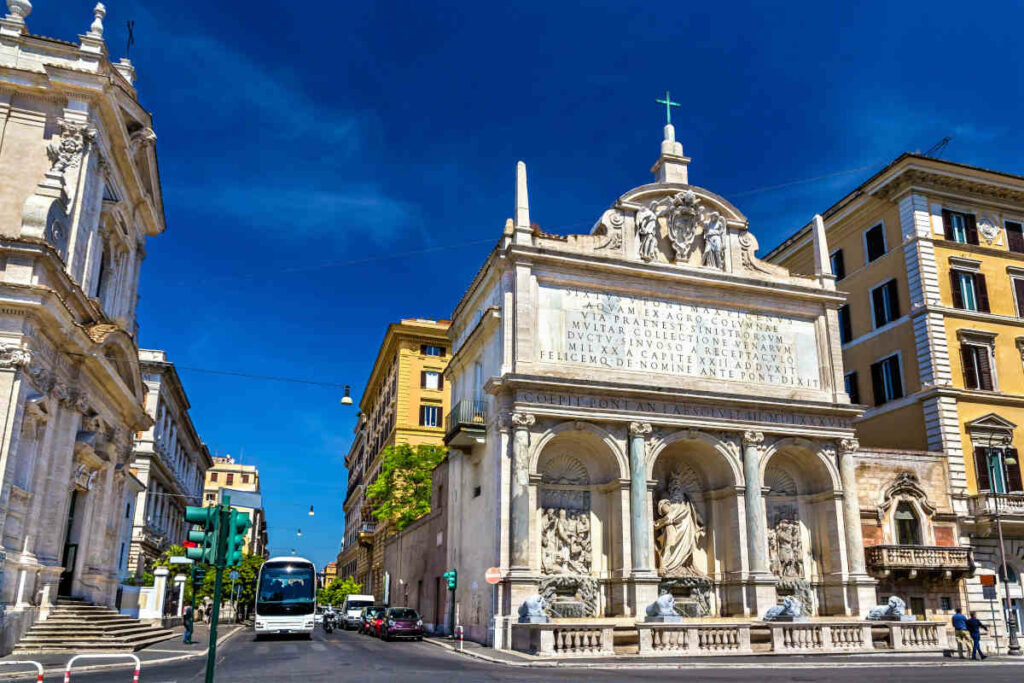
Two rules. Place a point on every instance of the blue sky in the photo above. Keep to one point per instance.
(296, 138)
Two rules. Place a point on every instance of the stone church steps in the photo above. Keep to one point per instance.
(77, 626)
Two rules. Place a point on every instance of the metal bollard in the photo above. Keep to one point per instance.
(37, 665)
(67, 668)
(458, 634)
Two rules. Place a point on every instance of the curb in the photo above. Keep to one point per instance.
(104, 667)
(708, 662)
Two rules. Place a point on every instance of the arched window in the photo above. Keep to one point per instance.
(1010, 576)
(908, 526)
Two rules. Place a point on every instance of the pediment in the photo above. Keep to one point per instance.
(990, 422)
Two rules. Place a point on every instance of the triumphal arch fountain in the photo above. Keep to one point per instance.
(650, 409)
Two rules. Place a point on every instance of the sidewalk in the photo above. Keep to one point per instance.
(169, 650)
(756, 661)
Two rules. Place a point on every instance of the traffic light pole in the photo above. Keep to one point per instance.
(222, 539)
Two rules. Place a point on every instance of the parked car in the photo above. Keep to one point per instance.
(376, 625)
(401, 622)
(352, 610)
(367, 617)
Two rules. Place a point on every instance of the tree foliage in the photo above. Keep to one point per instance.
(401, 493)
(248, 570)
(339, 589)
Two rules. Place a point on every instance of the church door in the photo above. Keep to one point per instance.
(70, 556)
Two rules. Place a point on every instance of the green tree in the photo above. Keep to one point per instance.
(401, 492)
(336, 592)
(248, 571)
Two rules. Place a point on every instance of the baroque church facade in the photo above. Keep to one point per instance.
(650, 408)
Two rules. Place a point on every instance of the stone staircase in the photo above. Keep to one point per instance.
(78, 626)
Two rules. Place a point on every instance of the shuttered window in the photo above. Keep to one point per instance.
(885, 303)
(977, 363)
(886, 381)
(850, 382)
(430, 416)
(432, 350)
(1015, 237)
(960, 227)
(981, 468)
(970, 292)
(838, 264)
(1013, 471)
(874, 243)
(431, 379)
(845, 329)
(1018, 290)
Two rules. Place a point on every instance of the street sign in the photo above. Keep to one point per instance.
(178, 559)
(988, 592)
(233, 575)
(493, 575)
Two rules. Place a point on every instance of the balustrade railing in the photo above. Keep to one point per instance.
(917, 557)
(1008, 504)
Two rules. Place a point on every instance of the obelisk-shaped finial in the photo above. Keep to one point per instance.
(822, 264)
(524, 231)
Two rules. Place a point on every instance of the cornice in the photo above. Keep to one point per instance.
(917, 177)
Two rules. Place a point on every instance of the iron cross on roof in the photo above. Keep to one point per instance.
(668, 106)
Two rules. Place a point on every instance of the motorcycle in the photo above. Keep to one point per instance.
(330, 622)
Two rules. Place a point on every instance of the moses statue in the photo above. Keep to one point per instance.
(679, 527)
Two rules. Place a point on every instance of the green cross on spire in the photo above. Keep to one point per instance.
(668, 106)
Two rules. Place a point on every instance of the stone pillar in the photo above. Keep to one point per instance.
(861, 593)
(761, 583)
(639, 515)
(519, 512)
(160, 589)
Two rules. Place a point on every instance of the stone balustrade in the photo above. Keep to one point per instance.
(819, 636)
(564, 640)
(694, 639)
(918, 635)
(912, 557)
(1009, 504)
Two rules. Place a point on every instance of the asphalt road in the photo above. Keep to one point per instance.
(345, 655)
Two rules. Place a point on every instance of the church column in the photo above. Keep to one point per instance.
(519, 512)
(757, 527)
(861, 587)
(639, 514)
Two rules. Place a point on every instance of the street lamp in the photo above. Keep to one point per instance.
(298, 532)
(346, 400)
(311, 513)
(997, 459)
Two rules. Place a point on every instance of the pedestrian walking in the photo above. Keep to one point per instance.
(186, 619)
(963, 636)
(974, 626)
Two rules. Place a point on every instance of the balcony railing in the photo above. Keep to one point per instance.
(1005, 504)
(918, 558)
(466, 423)
(366, 531)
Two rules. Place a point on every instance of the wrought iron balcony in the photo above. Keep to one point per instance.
(466, 424)
(1009, 506)
(912, 559)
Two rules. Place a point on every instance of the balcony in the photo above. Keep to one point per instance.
(466, 425)
(366, 531)
(1009, 506)
(884, 560)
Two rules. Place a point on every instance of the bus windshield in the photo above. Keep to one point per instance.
(286, 588)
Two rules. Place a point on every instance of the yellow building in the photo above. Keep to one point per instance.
(228, 474)
(931, 254)
(405, 401)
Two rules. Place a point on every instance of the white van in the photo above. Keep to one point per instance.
(352, 607)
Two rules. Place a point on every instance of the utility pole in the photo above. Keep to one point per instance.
(1011, 617)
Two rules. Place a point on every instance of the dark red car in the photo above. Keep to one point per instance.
(401, 622)
(370, 619)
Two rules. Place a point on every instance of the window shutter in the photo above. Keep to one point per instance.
(423, 418)
(981, 468)
(877, 384)
(1013, 473)
(981, 292)
(838, 265)
(423, 379)
(854, 389)
(972, 228)
(894, 299)
(984, 368)
(954, 287)
(845, 329)
(895, 379)
(967, 359)
(947, 224)
(1015, 236)
(440, 380)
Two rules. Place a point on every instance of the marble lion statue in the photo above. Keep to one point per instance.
(790, 607)
(664, 606)
(894, 608)
(533, 608)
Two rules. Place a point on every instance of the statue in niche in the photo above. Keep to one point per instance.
(714, 241)
(565, 542)
(785, 549)
(647, 232)
(678, 527)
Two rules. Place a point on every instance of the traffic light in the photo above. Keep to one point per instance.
(452, 576)
(205, 536)
(238, 525)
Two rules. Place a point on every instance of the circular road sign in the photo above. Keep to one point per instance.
(493, 575)
(233, 575)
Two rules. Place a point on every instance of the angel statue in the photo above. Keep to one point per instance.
(714, 241)
(647, 232)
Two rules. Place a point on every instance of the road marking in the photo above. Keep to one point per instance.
(319, 647)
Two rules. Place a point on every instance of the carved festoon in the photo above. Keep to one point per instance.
(66, 151)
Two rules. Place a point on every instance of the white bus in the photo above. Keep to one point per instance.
(286, 596)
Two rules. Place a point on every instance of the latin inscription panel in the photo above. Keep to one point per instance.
(582, 328)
